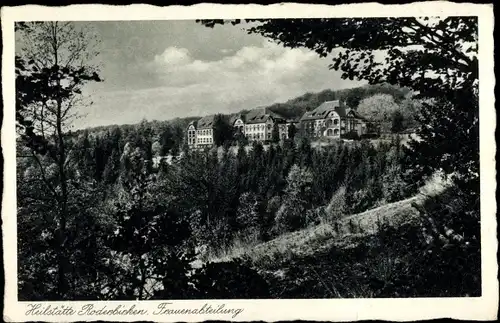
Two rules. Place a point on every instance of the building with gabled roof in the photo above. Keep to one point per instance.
(331, 119)
(259, 124)
(191, 134)
(237, 121)
(325, 109)
(206, 122)
(205, 131)
(200, 133)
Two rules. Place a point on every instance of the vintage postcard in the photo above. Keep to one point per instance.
(249, 162)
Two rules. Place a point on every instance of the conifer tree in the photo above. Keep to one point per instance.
(112, 169)
(275, 134)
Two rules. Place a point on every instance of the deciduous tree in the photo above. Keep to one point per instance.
(379, 108)
(54, 63)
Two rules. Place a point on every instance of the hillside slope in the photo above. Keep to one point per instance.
(346, 233)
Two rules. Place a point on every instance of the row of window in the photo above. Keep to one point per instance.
(248, 128)
(327, 122)
(204, 132)
(262, 130)
(207, 140)
(329, 133)
(257, 136)
(257, 127)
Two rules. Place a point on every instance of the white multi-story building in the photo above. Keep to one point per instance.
(201, 133)
(331, 119)
(205, 131)
(259, 125)
(191, 134)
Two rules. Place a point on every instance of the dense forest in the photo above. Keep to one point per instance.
(99, 217)
(203, 199)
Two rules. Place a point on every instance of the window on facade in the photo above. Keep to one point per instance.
(336, 121)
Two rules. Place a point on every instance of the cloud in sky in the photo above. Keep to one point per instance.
(252, 76)
(173, 56)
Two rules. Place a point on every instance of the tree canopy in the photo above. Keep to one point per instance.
(418, 52)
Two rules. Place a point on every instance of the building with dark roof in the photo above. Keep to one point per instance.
(206, 122)
(200, 133)
(237, 121)
(331, 119)
(259, 124)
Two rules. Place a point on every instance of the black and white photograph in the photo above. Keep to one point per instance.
(248, 159)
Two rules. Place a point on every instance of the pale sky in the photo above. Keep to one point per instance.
(160, 70)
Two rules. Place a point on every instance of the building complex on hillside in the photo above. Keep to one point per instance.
(331, 120)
